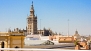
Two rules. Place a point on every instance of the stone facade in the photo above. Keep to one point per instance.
(45, 32)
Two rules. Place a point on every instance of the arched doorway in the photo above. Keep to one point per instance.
(2, 44)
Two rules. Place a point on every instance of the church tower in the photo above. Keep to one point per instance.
(32, 22)
(76, 32)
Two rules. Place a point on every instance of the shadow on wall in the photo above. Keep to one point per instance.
(16, 47)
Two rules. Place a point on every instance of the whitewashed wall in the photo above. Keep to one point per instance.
(34, 42)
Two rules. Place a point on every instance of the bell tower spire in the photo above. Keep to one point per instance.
(32, 2)
(32, 10)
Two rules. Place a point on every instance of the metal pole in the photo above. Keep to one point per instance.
(68, 27)
(40, 26)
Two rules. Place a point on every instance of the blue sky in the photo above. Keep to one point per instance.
(53, 14)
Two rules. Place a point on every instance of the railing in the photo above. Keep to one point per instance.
(27, 49)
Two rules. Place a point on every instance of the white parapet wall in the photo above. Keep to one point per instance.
(35, 39)
(34, 42)
(44, 37)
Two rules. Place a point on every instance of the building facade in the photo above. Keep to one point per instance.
(32, 22)
(45, 32)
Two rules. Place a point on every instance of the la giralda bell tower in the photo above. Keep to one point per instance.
(32, 22)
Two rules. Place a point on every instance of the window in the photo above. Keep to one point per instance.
(42, 32)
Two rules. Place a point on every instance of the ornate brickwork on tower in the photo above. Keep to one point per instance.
(32, 22)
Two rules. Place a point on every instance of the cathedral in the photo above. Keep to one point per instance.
(31, 27)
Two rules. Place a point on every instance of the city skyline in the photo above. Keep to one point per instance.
(53, 15)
